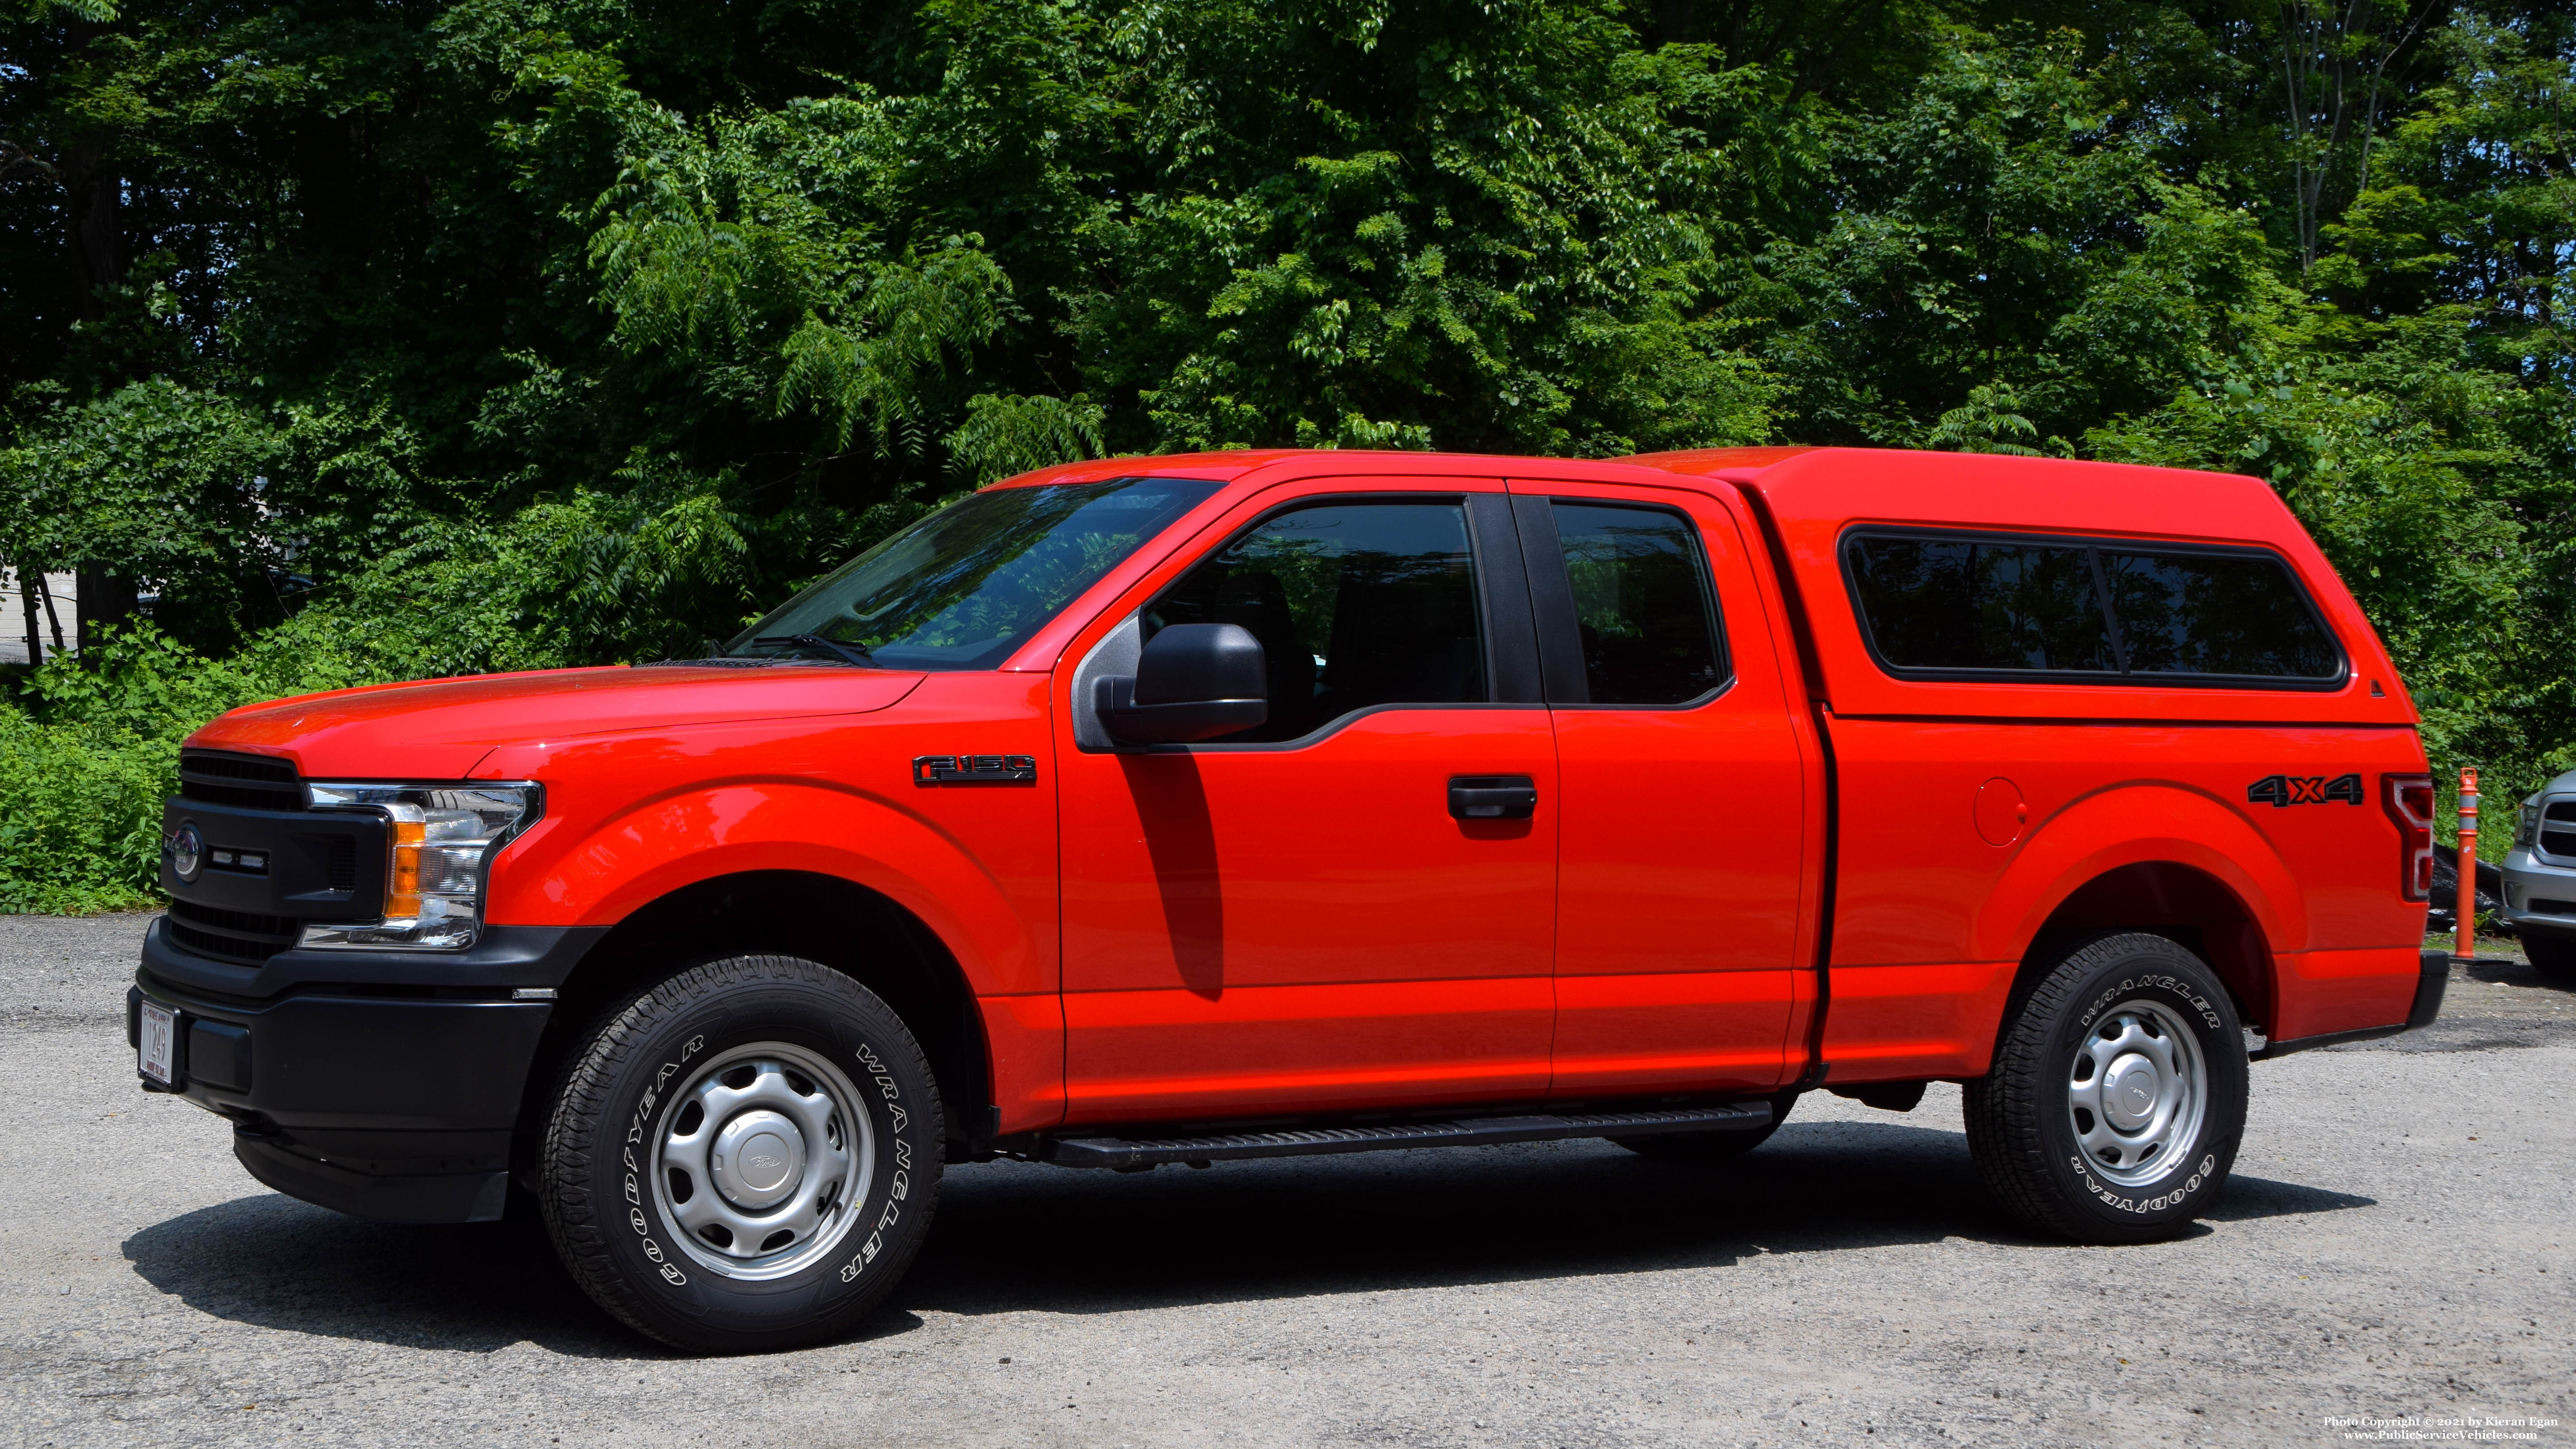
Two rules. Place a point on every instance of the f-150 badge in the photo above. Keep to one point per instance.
(975, 770)
(2283, 791)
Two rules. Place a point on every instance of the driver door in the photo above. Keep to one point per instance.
(1292, 919)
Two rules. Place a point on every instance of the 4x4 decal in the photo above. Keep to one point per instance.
(2284, 791)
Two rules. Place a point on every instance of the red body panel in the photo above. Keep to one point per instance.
(1680, 857)
(1305, 928)
(1932, 917)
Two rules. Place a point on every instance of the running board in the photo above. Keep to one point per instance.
(1129, 1155)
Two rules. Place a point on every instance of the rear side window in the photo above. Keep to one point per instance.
(1641, 604)
(1935, 603)
(1980, 607)
(2234, 614)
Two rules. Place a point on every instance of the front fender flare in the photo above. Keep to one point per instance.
(657, 845)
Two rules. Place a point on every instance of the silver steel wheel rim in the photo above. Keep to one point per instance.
(2136, 1092)
(766, 1139)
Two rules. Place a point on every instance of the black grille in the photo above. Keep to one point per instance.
(2543, 905)
(342, 872)
(2558, 828)
(252, 782)
(231, 935)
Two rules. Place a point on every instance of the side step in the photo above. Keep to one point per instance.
(1129, 1155)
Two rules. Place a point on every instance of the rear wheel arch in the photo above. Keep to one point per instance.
(2184, 904)
(2150, 857)
(838, 923)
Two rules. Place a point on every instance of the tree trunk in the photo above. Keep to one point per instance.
(53, 620)
(27, 599)
(92, 192)
(1673, 20)
(102, 599)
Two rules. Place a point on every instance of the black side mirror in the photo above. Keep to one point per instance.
(1193, 682)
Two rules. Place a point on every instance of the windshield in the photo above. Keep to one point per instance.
(964, 587)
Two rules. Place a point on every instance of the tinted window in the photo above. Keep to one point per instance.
(1937, 603)
(964, 587)
(1355, 604)
(2215, 614)
(1641, 597)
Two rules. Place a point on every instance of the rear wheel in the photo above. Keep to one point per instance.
(2117, 1096)
(1709, 1146)
(744, 1156)
(2552, 956)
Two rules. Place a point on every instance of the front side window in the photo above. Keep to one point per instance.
(964, 587)
(1641, 604)
(1944, 603)
(1356, 604)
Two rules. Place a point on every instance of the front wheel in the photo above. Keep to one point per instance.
(744, 1156)
(2117, 1096)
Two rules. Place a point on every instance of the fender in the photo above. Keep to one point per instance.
(663, 842)
(2133, 825)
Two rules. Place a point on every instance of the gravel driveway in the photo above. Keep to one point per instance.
(2395, 1243)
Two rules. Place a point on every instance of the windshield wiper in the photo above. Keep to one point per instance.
(855, 653)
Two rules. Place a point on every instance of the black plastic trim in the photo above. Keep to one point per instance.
(471, 1197)
(371, 1064)
(297, 884)
(2122, 678)
(1511, 623)
(503, 959)
(1128, 1154)
(2434, 980)
(1560, 634)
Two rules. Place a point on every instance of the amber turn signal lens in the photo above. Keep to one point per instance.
(402, 886)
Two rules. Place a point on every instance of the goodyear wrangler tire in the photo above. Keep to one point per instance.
(744, 1156)
(2117, 1096)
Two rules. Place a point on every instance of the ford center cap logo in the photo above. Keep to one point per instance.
(187, 851)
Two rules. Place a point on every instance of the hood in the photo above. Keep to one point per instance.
(437, 729)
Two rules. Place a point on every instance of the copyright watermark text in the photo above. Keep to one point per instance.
(2465, 1428)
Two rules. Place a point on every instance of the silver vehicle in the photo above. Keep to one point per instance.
(2540, 878)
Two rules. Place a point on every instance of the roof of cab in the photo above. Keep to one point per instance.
(1838, 485)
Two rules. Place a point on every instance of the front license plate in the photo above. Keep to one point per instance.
(160, 1033)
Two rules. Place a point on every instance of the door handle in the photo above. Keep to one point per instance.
(1493, 797)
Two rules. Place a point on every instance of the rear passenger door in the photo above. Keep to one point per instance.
(1680, 782)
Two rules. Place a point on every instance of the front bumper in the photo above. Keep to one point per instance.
(2538, 895)
(384, 1084)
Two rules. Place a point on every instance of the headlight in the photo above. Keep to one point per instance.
(442, 838)
(2527, 829)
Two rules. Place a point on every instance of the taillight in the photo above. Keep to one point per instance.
(2409, 799)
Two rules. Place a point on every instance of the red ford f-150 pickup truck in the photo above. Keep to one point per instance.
(1193, 808)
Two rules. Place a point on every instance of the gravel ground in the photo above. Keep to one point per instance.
(2391, 1246)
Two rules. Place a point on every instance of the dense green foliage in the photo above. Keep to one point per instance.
(382, 338)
